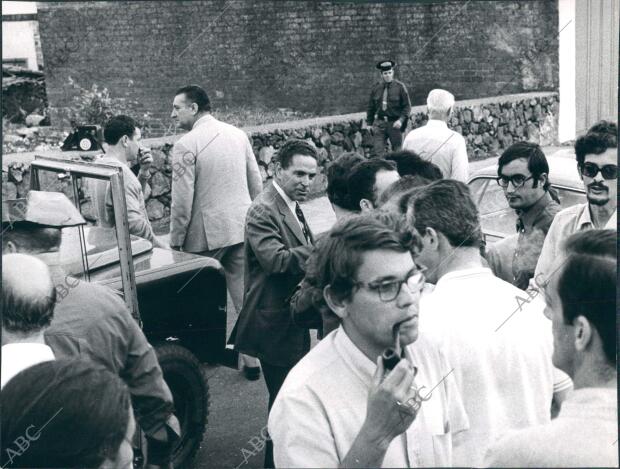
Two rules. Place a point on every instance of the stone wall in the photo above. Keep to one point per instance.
(489, 125)
(306, 55)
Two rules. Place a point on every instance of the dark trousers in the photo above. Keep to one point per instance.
(382, 132)
(274, 378)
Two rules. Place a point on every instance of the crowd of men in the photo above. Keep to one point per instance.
(502, 359)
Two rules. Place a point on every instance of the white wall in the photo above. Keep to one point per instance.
(566, 26)
(18, 41)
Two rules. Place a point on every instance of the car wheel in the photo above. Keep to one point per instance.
(190, 391)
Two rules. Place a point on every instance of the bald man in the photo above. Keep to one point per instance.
(28, 300)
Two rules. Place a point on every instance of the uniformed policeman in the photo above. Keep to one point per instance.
(388, 110)
(91, 321)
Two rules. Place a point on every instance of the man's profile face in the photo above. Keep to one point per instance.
(387, 75)
(525, 196)
(183, 112)
(600, 191)
(564, 351)
(133, 146)
(296, 178)
(371, 319)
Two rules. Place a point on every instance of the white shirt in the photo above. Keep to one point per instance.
(565, 223)
(585, 434)
(321, 407)
(291, 204)
(19, 356)
(500, 347)
(436, 143)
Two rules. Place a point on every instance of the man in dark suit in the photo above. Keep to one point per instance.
(277, 243)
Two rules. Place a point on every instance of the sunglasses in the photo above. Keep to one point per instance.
(609, 171)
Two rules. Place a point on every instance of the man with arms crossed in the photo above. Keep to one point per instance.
(339, 406)
(580, 297)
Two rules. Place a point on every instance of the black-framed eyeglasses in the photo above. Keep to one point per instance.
(609, 171)
(389, 290)
(517, 180)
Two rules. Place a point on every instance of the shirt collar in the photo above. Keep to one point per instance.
(289, 202)
(357, 362)
(592, 402)
(585, 219)
(202, 120)
(528, 217)
(463, 273)
(436, 123)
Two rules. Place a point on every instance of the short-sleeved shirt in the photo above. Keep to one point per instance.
(321, 407)
(585, 434)
(566, 222)
(500, 347)
(442, 146)
(514, 259)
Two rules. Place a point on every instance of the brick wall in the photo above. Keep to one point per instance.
(305, 55)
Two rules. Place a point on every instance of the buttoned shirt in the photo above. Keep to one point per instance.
(398, 102)
(516, 263)
(565, 223)
(19, 356)
(290, 203)
(585, 434)
(500, 346)
(321, 407)
(444, 147)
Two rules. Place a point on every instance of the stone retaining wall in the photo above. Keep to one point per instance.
(489, 125)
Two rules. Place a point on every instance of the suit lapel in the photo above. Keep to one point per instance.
(289, 219)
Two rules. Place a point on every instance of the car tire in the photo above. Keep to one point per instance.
(190, 391)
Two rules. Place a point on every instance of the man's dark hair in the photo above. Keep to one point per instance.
(587, 284)
(536, 160)
(196, 94)
(401, 187)
(410, 163)
(339, 253)
(27, 314)
(599, 138)
(447, 207)
(294, 147)
(337, 175)
(118, 126)
(361, 181)
(81, 430)
(31, 237)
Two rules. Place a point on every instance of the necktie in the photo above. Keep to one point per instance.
(519, 225)
(305, 228)
(384, 98)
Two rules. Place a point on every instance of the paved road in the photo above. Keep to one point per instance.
(238, 410)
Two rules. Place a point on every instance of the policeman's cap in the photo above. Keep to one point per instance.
(386, 65)
(51, 209)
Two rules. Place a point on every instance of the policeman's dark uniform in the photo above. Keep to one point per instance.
(91, 321)
(388, 103)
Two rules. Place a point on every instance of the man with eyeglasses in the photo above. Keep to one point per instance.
(597, 162)
(340, 406)
(498, 342)
(523, 173)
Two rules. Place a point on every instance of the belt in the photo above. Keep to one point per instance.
(387, 119)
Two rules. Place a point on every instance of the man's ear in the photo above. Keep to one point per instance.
(431, 239)
(9, 248)
(194, 108)
(543, 179)
(584, 334)
(337, 305)
(579, 171)
(366, 205)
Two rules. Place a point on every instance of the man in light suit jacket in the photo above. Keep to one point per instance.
(277, 243)
(214, 180)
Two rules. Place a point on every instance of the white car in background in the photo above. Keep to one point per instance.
(497, 218)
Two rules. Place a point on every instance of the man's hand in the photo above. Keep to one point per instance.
(397, 124)
(387, 412)
(145, 159)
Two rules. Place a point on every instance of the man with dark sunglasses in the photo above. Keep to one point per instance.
(597, 162)
(340, 406)
(523, 173)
